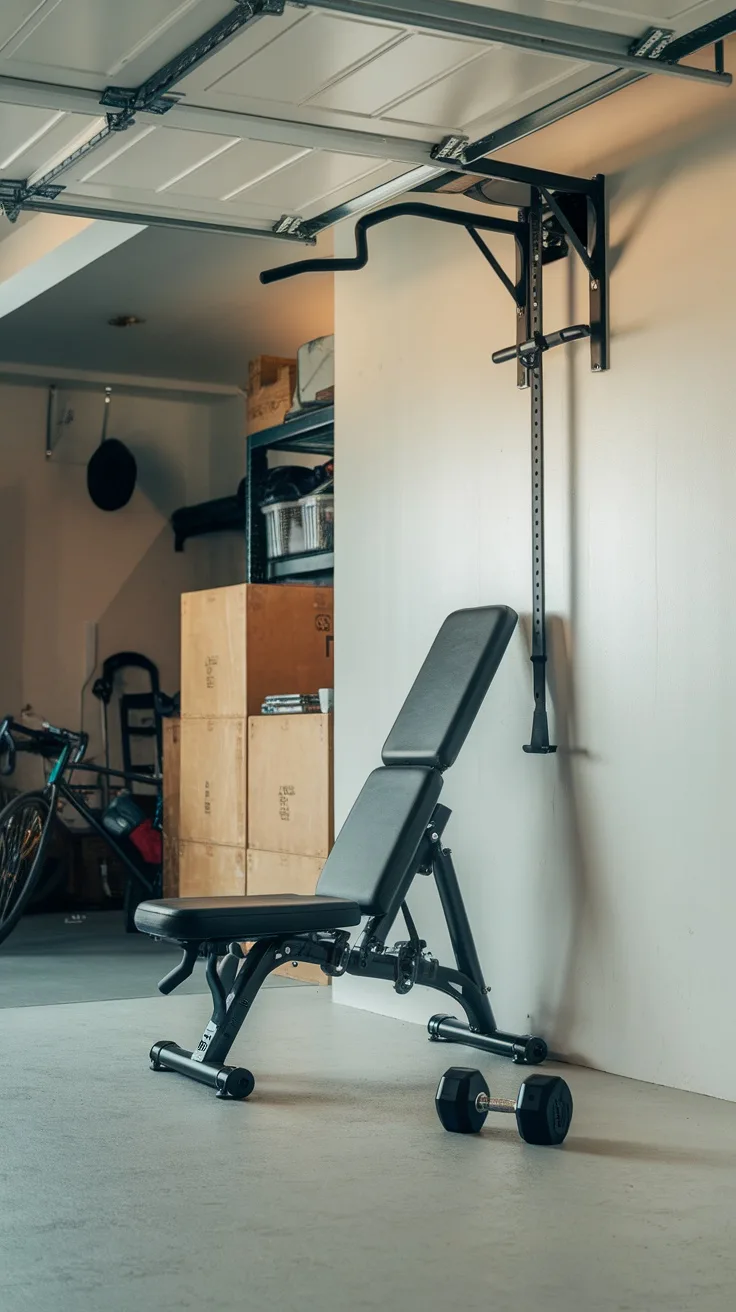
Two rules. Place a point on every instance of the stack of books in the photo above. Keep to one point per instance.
(291, 704)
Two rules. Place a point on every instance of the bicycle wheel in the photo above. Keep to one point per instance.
(24, 829)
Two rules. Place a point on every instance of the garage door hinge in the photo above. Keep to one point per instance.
(126, 98)
(291, 223)
(652, 43)
(451, 147)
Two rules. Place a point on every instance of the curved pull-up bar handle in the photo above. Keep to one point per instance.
(462, 218)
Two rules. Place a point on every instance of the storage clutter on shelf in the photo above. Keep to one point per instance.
(298, 506)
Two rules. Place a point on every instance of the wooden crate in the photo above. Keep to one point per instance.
(240, 643)
(290, 784)
(211, 870)
(271, 383)
(213, 788)
(280, 872)
(171, 737)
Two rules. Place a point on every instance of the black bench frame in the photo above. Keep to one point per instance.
(392, 834)
(235, 978)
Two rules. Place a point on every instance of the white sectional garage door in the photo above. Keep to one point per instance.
(295, 114)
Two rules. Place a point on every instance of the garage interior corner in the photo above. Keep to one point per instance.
(366, 739)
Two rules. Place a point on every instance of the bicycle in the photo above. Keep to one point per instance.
(27, 820)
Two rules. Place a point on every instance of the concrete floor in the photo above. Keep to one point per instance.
(53, 958)
(334, 1186)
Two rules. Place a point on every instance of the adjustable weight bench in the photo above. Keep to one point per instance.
(393, 833)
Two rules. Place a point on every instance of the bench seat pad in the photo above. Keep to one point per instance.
(203, 919)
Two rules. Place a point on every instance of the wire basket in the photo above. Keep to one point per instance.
(318, 521)
(284, 531)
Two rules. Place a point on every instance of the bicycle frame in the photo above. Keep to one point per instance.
(73, 747)
(60, 788)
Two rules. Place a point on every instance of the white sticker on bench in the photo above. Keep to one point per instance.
(201, 1050)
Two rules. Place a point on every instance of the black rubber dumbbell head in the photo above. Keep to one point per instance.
(544, 1109)
(455, 1100)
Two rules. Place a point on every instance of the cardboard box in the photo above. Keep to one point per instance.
(290, 784)
(271, 383)
(211, 870)
(315, 372)
(279, 872)
(240, 643)
(85, 887)
(212, 787)
(171, 780)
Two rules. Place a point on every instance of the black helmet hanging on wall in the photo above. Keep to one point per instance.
(112, 471)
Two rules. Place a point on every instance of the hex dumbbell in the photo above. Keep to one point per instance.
(543, 1106)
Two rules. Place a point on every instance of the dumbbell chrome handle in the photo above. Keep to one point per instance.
(485, 1104)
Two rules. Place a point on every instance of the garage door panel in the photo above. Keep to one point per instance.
(498, 79)
(127, 199)
(14, 14)
(376, 178)
(20, 127)
(257, 205)
(30, 138)
(305, 58)
(264, 204)
(90, 36)
(241, 165)
(657, 10)
(314, 177)
(255, 36)
(417, 61)
(152, 158)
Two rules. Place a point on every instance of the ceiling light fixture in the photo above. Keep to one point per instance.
(125, 321)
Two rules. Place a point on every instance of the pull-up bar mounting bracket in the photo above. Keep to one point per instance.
(559, 215)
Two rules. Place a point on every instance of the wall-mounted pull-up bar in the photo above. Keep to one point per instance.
(413, 209)
(562, 215)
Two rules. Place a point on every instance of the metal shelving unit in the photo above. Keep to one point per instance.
(312, 432)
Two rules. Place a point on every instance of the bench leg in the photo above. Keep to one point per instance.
(229, 1081)
(481, 1031)
(232, 996)
(522, 1048)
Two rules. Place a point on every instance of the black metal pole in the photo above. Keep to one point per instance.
(458, 927)
(539, 742)
(525, 1049)
(229, 1081)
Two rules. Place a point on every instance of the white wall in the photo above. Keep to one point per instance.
(600, 881)
(63, 562)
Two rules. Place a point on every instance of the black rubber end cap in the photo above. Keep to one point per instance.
(455, 1100)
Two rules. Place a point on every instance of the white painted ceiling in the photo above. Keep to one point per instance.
(206, 313)
(303, 67)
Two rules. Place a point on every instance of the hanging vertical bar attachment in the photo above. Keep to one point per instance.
(539, 742)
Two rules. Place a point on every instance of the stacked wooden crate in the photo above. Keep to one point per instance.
(171, 745)
(271, 383)
(238, 645)
(290, 817)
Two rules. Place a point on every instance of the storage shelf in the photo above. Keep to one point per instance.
(312, 432)
(308, 562)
